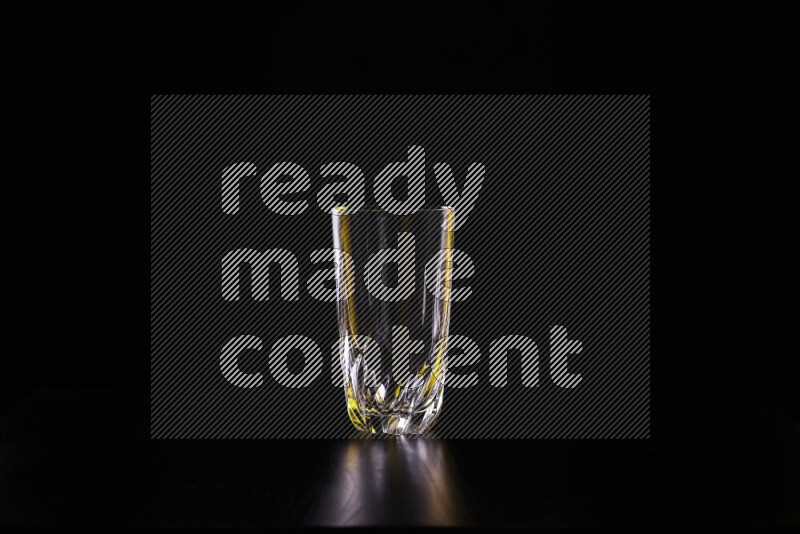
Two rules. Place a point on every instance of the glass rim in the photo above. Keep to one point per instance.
(344, 210)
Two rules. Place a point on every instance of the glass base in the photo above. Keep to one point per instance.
(397, 423)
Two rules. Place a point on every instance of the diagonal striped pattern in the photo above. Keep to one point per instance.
(229, 362)
(259, 263)
(350, 192)
(498, 360)
(414, 170)
(558, 232)
(441, 271)
(403, 256)
(463, 202)
(462, 351)
(403, 347)
(279, 368)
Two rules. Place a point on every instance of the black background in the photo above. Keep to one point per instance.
(80, 82)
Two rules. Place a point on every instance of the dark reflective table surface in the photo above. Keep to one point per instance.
(86, 459)
(386, 482)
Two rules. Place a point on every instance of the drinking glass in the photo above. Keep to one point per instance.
(393, 282)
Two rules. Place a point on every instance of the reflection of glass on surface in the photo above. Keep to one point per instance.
(403, 481)
(393, 286)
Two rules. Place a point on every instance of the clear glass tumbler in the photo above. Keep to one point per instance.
(393, 280)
